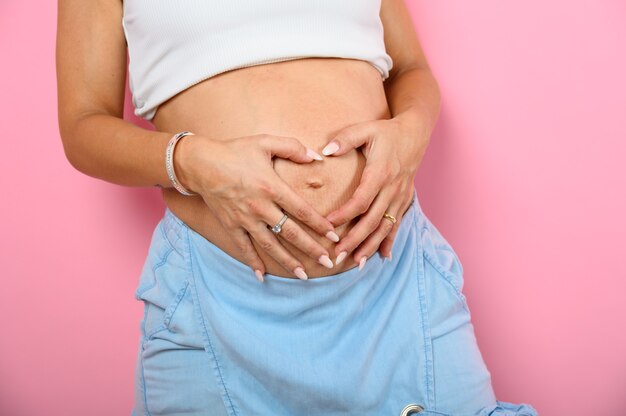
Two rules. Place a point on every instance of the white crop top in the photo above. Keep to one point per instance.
(175, 44)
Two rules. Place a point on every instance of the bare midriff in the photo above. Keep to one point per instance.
(311, 99)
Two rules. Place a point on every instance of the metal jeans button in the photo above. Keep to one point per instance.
(409, 409)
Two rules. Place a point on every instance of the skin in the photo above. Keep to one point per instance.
(260, 156)
(395, 149)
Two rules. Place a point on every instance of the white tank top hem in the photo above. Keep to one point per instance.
(173, 45)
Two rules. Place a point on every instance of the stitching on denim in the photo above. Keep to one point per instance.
(446, 274)
(143, 385)
(483, 412)
(142, 325)
(150, 337)
(169, 313)
(160, 263)
(230, 407)
(428, 353)
(447, 277)
(162, 227)
(437, 413)
(451, 250)
(527, 407)
(165, 229)
(163, 259)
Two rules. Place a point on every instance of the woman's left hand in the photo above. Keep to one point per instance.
(394, 149)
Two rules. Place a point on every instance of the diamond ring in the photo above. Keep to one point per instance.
(278, 227)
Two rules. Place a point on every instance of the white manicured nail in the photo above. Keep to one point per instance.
(362, 262)
(330, 148)
(340, 257)
(324, 260)
(259, 275)
(313, 154)
(332, 236)
(299, 271)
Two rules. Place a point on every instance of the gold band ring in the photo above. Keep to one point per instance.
(390, 217)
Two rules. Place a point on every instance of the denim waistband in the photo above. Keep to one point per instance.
(180, 234)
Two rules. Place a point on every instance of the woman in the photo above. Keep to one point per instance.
(244, 97)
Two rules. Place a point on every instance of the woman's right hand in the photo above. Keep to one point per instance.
(237, 181)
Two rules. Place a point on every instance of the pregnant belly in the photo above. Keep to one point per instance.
(311, 99)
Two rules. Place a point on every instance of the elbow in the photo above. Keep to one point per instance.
(71, 158)
(72, 131)
(67, 134)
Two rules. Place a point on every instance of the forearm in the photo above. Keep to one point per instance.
(415, 94)
(114, 150)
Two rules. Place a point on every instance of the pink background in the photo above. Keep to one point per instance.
(524, 176)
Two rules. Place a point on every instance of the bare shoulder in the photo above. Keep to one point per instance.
(401, 39)
(90, 59)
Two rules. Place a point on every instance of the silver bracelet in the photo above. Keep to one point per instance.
(169, 166)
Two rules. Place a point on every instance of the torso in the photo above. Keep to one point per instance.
(310, 99)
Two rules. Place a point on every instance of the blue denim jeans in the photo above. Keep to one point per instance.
(395, 338)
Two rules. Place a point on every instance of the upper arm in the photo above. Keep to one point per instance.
(401, 39)
(90, 59)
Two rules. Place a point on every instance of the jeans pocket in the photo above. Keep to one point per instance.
(163, 283)
(461, 379)
(440, 255)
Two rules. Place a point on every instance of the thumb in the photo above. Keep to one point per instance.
(351, 137)
(288, 148)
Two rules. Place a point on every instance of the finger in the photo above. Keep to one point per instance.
(287, 148)
(371, 244)
(361, 199)
(249, 253)
(387, 244)
(349, 138)
(366, 225)
(268, 242)
(285, 197)
(291, 232)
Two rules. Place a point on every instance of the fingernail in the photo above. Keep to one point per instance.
(390, 256)
(324, 260)
(313, 154)
(259, 275)
(330, 148)
(299, 271)
(340, 257)
(332, 236)
(362, 262)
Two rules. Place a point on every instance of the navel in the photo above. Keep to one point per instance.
(314, 183)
